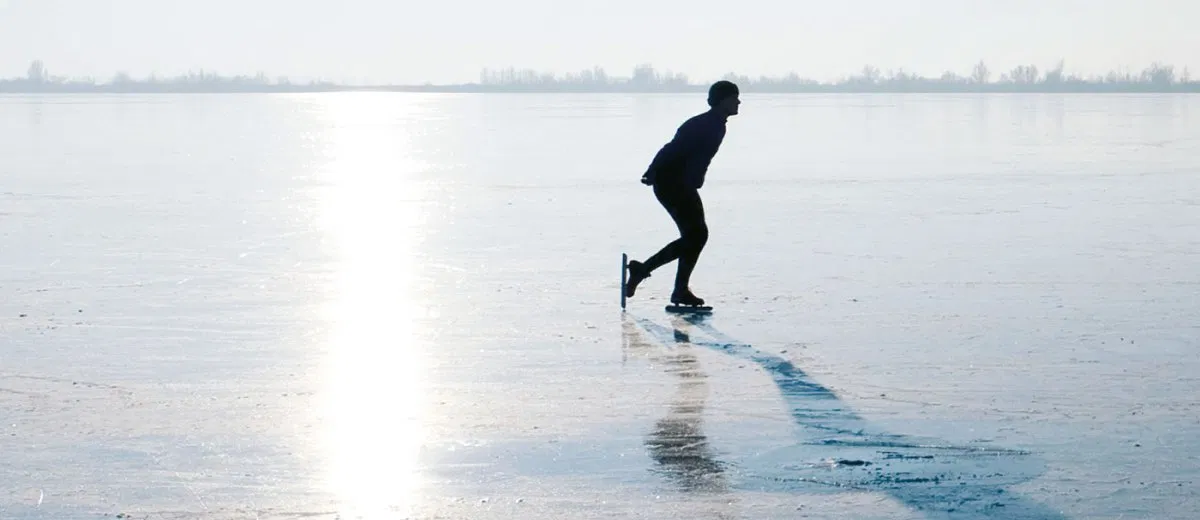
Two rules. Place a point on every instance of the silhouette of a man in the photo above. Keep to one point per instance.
(677, 174)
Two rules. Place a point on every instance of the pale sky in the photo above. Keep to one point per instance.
(413, 41)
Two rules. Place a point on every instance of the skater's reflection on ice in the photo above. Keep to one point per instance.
(677, 443)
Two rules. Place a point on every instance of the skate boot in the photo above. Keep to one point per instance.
(684, 302)
(637, 273)
(686, 298)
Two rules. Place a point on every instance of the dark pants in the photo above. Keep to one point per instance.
(685, 208)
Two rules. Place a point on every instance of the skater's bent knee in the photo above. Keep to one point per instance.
(696, 236)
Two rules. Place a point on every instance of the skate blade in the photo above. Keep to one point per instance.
(689, 309)
(624, 277)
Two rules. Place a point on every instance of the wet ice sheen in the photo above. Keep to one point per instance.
(393, 305)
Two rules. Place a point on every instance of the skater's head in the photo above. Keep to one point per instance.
(723, 97)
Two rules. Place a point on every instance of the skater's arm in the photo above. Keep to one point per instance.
(673, 154)
(702, 146)
(677, 154)
(661, 160)
(689, 153)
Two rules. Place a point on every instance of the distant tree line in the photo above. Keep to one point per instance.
(1023, 78)
(38, 79)
(645, 78)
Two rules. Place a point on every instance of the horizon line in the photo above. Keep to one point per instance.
(647, 74)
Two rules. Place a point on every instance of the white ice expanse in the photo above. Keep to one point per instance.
(393, 305)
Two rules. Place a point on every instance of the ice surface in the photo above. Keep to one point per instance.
(407, 306)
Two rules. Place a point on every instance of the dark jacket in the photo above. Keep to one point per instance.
(684, 161)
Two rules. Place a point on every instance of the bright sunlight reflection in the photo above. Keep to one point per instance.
(373, 221)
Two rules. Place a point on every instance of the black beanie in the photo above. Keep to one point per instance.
(721, 90)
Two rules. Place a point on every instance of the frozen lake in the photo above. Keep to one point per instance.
(372, 305)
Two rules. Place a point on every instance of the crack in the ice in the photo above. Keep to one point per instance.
(58, 380)
(21, 392)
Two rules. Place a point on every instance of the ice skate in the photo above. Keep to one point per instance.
(686, 302)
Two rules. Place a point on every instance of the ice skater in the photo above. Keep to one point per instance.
(677, 174)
